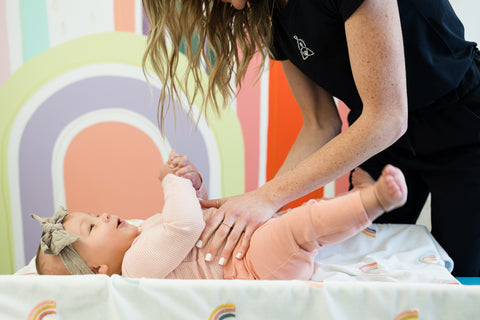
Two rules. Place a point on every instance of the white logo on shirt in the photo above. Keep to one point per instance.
(304, 51)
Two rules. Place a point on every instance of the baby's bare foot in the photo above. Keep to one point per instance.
(391, 188)
(361, 178)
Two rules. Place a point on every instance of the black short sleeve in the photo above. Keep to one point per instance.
(337, 11)
(345, 8)
(275, 47)
(311, 34)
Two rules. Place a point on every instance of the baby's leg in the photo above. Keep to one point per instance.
(285, 247)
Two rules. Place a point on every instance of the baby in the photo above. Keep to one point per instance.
(163, 246)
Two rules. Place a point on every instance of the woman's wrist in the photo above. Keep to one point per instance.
(269, 192)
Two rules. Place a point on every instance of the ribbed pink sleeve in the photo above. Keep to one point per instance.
(166, 238)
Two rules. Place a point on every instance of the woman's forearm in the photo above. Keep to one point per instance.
(308, 141)
(338, 156)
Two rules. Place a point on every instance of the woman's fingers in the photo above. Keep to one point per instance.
(212, 203)
(245, 243)
(210, 226)
(232, 240)
(222, 232)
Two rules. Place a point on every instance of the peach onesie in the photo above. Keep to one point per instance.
(282, 248)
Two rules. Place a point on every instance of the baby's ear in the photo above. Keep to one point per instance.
(102, 269)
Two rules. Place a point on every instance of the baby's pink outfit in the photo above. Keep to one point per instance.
(283, 248)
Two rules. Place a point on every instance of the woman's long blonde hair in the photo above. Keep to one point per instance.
(213, 33)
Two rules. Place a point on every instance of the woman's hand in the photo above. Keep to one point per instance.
(235, 215)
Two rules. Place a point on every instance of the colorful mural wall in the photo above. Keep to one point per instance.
(78, 123)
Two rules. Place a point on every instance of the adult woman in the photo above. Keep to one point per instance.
(364, 52)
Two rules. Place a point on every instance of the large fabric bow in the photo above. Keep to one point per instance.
(54, 237)
(57, 241)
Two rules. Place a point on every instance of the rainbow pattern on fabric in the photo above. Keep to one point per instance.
(223, 311)
(448, 281)
(370, 268)
(407, 314)
(314, 284)
(370, 232)
(43, 309)
(428, 258)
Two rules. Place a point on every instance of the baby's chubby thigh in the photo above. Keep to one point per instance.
(283, 248)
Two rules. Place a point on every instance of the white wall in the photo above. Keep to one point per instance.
(469, 12)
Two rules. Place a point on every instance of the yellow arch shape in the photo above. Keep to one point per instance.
(116, 47)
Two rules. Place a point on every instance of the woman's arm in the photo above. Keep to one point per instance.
(377, 59)
(321, 121)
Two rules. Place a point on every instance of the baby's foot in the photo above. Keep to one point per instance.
(391, 188)
(361, 178)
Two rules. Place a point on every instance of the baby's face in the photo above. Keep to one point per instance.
(103, 240)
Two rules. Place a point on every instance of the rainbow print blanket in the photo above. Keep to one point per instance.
(385, 272)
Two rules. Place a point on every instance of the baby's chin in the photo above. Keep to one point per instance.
(135, 232)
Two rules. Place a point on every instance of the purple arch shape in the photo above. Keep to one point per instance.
(64, 106)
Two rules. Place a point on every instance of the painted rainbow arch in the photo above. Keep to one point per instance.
(223, 312)
(370, 232)
(43, 309)
(407, 314)
(59, 99)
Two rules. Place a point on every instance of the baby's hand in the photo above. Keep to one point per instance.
(164, 170)
(182, 167)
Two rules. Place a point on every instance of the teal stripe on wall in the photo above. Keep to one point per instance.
(34, 28)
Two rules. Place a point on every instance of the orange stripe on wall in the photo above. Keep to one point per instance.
(124, 11)
(284, 123)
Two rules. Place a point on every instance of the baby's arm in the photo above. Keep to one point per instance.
(167, 239)
(182, 167)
